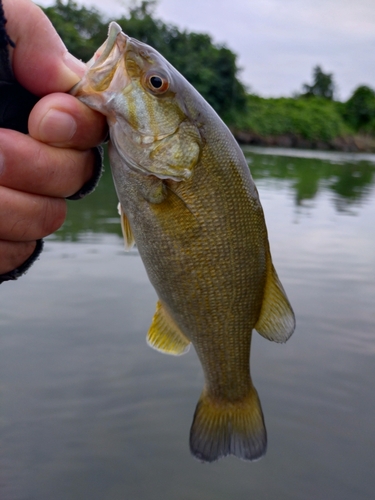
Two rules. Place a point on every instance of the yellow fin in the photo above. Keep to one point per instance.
(276, 320)
(164, 335)
(126, 229)
(222, 428)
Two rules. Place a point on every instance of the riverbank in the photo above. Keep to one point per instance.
(349, 143)
(305, 123)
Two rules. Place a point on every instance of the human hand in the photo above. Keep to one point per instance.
(39, 170)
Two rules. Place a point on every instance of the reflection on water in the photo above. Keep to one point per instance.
(348, 176)
(90, 411)
(97, 213)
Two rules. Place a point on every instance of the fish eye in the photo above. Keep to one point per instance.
(157, 83)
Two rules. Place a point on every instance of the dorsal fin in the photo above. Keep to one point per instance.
(126, 229)
(276, 320)
(164, 335)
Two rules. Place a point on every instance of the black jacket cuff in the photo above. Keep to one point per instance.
(19, 271)
(93, 182)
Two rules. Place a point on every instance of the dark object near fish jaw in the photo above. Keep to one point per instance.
(188, 200)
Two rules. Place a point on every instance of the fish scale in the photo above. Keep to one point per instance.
(189, 202)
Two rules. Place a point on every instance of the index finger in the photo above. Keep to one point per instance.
(40, 60)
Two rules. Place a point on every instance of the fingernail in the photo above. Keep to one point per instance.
(57, 127)
(74, 64)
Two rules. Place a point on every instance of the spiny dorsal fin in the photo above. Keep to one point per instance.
(164, 335)
(126, 229)
(276, 320)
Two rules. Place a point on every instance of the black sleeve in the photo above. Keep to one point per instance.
(19, 271)
(93, 182)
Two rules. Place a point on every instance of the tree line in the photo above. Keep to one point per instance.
(358, 110)
(212, 69)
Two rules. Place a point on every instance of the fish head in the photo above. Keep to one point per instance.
(143, 98)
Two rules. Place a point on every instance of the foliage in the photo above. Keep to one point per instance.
(323, 85)
(82, 30)
(212, 70)
(312, 119)
(359, 110)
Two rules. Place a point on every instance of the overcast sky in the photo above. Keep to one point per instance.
(279, 41)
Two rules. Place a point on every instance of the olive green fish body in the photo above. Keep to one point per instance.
(188, 200)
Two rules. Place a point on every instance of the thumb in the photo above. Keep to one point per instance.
(40, 60)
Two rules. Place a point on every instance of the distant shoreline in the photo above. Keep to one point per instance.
(331, 156)
(350, 143)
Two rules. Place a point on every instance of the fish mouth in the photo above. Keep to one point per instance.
(104, 52)
(102, 66)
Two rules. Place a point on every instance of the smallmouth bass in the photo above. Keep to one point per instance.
(188, 200)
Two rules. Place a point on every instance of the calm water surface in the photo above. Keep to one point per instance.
(89, 411)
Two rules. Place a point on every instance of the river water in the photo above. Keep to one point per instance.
(89, 411)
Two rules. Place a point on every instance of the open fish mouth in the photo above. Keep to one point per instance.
(103, 64)
(103, 52)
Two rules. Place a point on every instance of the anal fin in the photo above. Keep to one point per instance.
(164, 335)
(276, 320)
(126, 229)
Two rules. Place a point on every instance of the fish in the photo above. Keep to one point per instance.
(188, 201)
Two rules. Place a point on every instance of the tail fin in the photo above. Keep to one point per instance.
(226, 428)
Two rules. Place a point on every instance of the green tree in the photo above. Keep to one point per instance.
(82, 30)
(311, 119)
(323, 85)
(359, 110)
(211, 69)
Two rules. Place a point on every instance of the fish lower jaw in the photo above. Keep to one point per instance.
(94, 101)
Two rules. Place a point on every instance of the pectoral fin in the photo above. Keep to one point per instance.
(276, 321)
(164, 335)
(126, 229)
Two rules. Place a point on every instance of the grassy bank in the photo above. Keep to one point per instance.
(312, 122)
